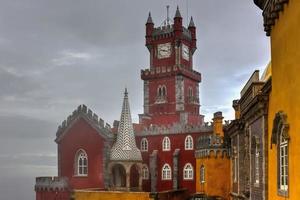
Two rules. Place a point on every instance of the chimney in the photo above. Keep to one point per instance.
(218, 123)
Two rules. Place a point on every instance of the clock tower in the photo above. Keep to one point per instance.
(171, 86)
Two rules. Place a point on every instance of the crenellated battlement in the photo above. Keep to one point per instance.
(175, 128)
(211, 145)
(166, 71)
(83, 111)
(168, 32)
(51, 184)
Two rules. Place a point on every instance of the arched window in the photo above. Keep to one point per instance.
(202, 174)
(166, 144)
(188, 143)
(256, 154)
(164, 91)
(256, 164)
(188, 172)
(280, 137)
(145, 172)
(144, 144)
(159, 92)
(81, 163)
(166, 172)
(235, 165)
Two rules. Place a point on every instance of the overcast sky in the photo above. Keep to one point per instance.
(57, 54)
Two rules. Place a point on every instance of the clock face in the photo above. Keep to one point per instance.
(185, 52)
(164, 50)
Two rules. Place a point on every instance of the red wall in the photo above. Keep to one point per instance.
(185, 156)
(82, 135)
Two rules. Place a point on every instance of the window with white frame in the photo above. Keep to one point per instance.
(256, 164)
(202, 174)
(81, 163)
(144, 144)
(188, 143)
(166, 144)
(283, 163)
(166, 172)
(145, 172)
(280, 137)
(188, 172)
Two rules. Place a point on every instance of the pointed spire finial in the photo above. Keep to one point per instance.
(149, 20)
(177, 14)
(192, 24)
(125, 149)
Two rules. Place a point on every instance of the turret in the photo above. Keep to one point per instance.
(237, 110)
(177, 23)
(149, 30)
(192, 29)
(218, 123)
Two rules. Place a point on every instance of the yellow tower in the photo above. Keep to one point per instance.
(212, 163)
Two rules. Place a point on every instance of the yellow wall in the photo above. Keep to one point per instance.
(217, 176)
(105, 195)
(285, 96)
(218, 126)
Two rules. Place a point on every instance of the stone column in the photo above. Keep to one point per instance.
(128, 181)
(140, 181)
(153, 170)
(175, 169)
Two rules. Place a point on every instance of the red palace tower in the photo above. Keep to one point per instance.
(171, 122)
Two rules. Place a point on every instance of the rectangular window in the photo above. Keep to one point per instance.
(283, 168)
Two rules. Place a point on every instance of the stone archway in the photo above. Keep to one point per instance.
(134, 177)
(118, 175)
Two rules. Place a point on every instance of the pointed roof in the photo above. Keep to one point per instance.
(177, 14)
(149, 20)
(192, 24)
(125, 148)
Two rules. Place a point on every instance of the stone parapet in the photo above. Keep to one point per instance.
(51, 184)
(175, 128)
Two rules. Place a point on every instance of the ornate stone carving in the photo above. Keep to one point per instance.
(280, 126)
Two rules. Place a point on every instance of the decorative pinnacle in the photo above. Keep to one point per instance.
(177, 14)
(149, 20)
(192, 24)
(126, 92)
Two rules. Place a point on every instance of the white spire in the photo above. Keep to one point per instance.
(125, 147)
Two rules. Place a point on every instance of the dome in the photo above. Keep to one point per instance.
(267, 72)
